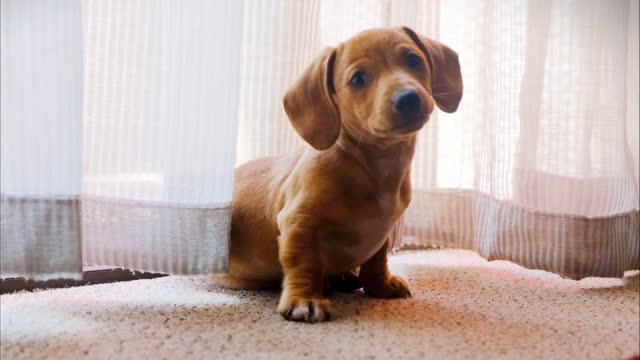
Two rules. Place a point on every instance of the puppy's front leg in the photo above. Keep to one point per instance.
(301, 298)
(376, 279)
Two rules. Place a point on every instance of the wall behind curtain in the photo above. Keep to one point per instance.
(539, 164)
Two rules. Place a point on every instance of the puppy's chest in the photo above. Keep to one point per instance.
(376, 221)
(363, 231)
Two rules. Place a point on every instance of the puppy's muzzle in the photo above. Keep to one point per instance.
(408, 104)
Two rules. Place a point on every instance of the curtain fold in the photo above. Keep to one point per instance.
(161, 109)
(41, 138)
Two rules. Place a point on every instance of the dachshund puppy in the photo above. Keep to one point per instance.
(329, 209)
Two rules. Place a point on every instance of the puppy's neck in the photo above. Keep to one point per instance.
(387, 164)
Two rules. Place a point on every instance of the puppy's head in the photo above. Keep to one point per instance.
(378, 86)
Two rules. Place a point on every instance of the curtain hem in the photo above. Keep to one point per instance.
(44, 277)
(572, 246)
(40, 238)
(148, 236)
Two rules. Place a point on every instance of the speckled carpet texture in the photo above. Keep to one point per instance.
(463, 307)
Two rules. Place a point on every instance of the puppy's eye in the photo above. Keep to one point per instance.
(413, 61)
(359, 79)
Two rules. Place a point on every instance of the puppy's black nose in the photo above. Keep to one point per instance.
(406, 102)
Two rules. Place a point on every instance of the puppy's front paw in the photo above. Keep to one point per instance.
(309, 310)
(389, 287)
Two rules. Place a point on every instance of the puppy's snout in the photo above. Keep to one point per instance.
(407, 102)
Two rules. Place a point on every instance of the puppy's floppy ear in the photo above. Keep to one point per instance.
(309, 104)
(446, 78)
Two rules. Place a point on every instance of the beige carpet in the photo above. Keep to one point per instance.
(462, 307)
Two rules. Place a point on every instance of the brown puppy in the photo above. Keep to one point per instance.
(329, 209)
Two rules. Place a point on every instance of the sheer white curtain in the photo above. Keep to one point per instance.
(41, 138)
(129, 161)
(540, 163)
(161, 102)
